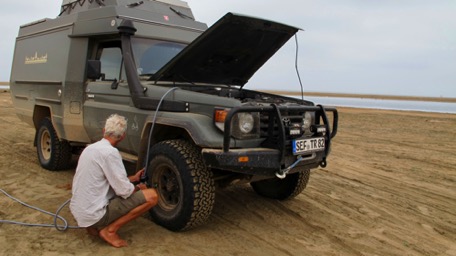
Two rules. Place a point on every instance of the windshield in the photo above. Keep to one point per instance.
(151, 55)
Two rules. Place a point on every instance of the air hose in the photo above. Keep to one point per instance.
(144, 177)
(56, 216)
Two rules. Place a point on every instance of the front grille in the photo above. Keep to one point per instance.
(269, 127)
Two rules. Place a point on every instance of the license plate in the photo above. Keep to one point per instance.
(308, 145)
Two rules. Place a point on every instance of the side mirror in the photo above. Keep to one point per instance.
(93, 69)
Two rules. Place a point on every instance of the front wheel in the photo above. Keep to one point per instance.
(281, 189)
(53, 154)
(185, 187)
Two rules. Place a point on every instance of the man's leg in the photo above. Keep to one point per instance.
(109, 233)
(93, 231)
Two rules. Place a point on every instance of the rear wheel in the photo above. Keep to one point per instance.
(53, 154)
(184, 185)
(289, 187)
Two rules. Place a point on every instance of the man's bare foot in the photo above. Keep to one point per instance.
(92, 231)
(112, 238)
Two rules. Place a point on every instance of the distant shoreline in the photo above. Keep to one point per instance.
(365, 96)
(352, 95)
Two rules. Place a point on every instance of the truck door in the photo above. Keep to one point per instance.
(109, 94)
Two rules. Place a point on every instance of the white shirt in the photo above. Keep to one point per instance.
(100, 176)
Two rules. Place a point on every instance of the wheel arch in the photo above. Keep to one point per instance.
(161, 132)
(39, 113)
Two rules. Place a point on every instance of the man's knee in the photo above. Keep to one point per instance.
(151, 196)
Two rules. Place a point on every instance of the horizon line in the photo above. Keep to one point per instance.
(352, 95)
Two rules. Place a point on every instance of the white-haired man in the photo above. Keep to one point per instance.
(104, 198)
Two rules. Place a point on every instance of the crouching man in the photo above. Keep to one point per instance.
(104, 198)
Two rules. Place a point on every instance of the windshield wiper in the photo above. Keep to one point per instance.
(145, 76)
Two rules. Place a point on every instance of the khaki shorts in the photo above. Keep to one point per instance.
(119, 207)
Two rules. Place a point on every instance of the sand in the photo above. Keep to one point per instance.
(389, 189)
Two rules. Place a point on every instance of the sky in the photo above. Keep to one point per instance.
(389, 47)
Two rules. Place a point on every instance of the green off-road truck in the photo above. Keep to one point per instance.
(180, 85)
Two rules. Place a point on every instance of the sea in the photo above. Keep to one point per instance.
(406, 105)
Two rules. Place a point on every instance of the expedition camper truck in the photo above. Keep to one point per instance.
(180, 85)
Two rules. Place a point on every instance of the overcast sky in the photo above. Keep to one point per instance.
(394, 47)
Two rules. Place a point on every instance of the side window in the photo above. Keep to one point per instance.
(112, 64)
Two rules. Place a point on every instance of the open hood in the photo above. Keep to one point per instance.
(229, 52)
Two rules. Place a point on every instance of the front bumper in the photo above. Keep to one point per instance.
(256, 161)
(268, 161)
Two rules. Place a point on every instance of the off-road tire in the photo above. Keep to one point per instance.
(282, 189)
(185, 187)
(53, 154)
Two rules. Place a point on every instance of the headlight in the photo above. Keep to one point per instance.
(246, 122)
(243, 125)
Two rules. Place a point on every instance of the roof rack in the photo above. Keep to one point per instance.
(71, 6)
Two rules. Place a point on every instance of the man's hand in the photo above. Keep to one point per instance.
(141, 186)
(137, 177)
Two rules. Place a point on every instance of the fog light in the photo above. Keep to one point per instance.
(295, 132)
(318, 129)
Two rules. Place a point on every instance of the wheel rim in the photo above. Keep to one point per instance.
(168, 183)
(45, 145)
